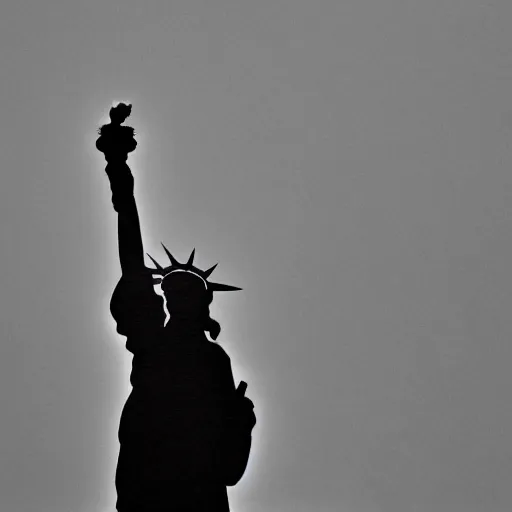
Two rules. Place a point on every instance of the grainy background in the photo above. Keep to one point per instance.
(347, 162)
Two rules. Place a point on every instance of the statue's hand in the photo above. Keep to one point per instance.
(121, 183)
(242, 414)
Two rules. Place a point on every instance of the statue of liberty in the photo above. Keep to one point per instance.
(185, 430)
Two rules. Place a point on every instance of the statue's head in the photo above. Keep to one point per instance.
(186, 294)
(187, 291)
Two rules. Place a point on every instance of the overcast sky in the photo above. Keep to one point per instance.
(348, 163)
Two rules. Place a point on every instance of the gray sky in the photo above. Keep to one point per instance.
(347, 163)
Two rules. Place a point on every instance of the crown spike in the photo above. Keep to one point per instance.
(157, 265)
(156, 271)
(218, 287)
(208, 272)
(174, 261)
(191, 259)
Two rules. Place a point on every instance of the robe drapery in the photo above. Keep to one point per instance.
(174, 426)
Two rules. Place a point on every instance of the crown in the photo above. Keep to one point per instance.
(176, 266)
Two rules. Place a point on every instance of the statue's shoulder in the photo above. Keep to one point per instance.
(218, 352)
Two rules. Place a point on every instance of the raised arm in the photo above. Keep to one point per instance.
(115, 142)
(131, 252)
(135, 306)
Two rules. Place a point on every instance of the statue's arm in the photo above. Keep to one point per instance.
(237, 457)
(237, 438)
(116, 141)
(131, 252)
(134, 305)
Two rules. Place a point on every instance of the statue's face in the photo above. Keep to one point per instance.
(184, 293)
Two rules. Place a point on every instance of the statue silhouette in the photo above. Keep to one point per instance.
(185, 430)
